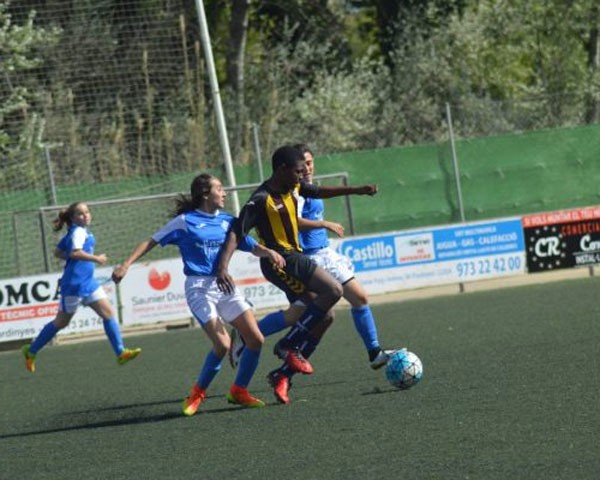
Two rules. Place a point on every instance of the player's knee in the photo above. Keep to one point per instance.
(221, 347)
(360, 300)
(254, 342)
(328, 320)
(61, 322)
(335, 292)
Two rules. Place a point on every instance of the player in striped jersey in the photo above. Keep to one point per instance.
(272, 211)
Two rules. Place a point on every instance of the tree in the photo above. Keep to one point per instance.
(20, 90)
(238, 32)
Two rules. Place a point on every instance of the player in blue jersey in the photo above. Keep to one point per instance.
(315, 244)
(78, 285)
(199, 229)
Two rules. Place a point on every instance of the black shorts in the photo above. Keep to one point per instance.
(292, 278)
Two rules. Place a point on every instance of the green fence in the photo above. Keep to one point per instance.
(500, 176)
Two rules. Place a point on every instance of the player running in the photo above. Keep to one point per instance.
(78, 286)
(199, 229)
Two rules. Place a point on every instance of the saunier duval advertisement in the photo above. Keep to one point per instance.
(562, 239)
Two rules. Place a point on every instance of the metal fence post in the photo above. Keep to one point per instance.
(50, 176)
(455, 162)
(45, 251)
(461, 285)
(258, 152)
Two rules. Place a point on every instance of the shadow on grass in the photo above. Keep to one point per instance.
(379, 391)
(130, 406)
(94, 425)
(122, 422)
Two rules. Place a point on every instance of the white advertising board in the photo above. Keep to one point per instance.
(437, 256)
(28, 303)
(155, 291)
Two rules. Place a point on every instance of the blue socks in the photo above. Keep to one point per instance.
(365, 326)
(47, 334)
(111, 328)
(247, 367)
(212, 365)
(272, 323)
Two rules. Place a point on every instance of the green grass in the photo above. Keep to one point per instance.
(510, 391)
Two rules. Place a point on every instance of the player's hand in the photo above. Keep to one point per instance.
(336, 228)
(368, 190)
(101, 259)
(276, 258)
(225, 282)
(118, 273)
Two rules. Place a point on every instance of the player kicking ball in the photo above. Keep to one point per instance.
(315, 244)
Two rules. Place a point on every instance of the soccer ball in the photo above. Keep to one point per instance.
(404, 369)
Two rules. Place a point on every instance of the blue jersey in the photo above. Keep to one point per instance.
(316, 238)
(78, 276)
(199, 237)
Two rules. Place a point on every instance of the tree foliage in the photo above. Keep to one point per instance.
(21, 95)
(126, 80)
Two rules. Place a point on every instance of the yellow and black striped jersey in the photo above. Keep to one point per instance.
(274, 216)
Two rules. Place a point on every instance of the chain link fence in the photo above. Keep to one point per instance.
(118, 225)
(107, 101)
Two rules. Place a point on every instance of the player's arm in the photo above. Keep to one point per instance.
(75, 249)
(224, 280)
(237, 232)
(261, 251)
(60, 254)
(306, 224)
(78, 254)
(330, 191)
(142, 249)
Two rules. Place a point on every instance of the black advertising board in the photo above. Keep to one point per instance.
(563, 239)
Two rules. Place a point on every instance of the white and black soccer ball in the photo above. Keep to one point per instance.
(404, 369)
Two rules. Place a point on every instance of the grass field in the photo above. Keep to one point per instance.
(510, 391)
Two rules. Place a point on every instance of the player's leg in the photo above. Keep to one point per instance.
(364, 322)
(98, 301)
(362, 315)
(47, 333)
(202, 297)
(281, 378)
(342, 269)
(270, 324)
(217, 334)
(290, 280)
(281, 319)
(246, 325)
(327, 292)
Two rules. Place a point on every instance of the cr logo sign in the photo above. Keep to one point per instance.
(547, 247)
